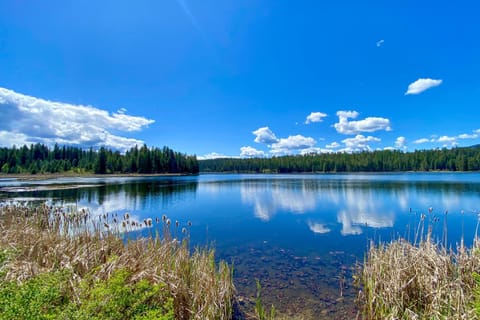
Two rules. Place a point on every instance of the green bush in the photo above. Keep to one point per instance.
(48, 296)
(116, 298)
(39, 298)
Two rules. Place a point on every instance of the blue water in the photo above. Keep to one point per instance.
(300, 235)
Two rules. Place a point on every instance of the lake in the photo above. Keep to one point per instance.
(299, 235)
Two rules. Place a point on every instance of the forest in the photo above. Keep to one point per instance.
(39, 158)
(455, 159)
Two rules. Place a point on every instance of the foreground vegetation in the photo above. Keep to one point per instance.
(65, 264)
(402, 280)
(61, 263)
(38, 158)
(456, 159)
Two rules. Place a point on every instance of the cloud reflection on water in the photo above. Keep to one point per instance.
(318, 227)
(267, 198)
(355, 207)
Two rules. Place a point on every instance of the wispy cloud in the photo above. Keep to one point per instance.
(333, 145)
(380, 43)
(265, 135)
(421, 85)
(27, 119)
(422, 140)
(186, 10)
(212, 155)
(449, 141)
(369, 124)
(250, 152)
(315, 117)
(467, 136)
(315, 150)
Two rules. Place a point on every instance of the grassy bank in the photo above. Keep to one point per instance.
(401, 280)
(60, 264)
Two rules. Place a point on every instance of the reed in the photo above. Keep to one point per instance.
(420, 280)
(40, 240)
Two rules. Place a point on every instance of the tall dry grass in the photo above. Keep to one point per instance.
(401, 280)
(46, 239)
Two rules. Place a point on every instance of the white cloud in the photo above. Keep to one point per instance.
(292, 143)
(369, 124)
(421, 85)
(212, 155)
(467, 136)
(8, 139)
(422, 140)
(315, 150)
(400, 142)
(318, 227)
(27, 119)
(265, 135)
(315, 117)
(380, 42)
(359, 143)
(333, 145)
(447, 140)
(247, 152)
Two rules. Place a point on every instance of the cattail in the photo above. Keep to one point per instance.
(177, 223)
(126, 216)
(149, 222)
(189, 223)
(168, 222)
(106, 225)
(157, 220)
(124, 224)
(164, 218)
(184, 230)
(430, 210)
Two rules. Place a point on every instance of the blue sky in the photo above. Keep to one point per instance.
(241, 78)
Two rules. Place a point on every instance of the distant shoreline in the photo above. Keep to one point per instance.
(44, 176)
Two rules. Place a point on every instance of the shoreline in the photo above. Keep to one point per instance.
(46, 176)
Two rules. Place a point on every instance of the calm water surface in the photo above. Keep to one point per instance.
(300, 235)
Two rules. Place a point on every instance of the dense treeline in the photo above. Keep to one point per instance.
(456, 159)
(38, 158)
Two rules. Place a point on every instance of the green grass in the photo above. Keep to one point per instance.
(260, 311)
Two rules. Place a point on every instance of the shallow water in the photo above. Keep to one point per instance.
(299, 235)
